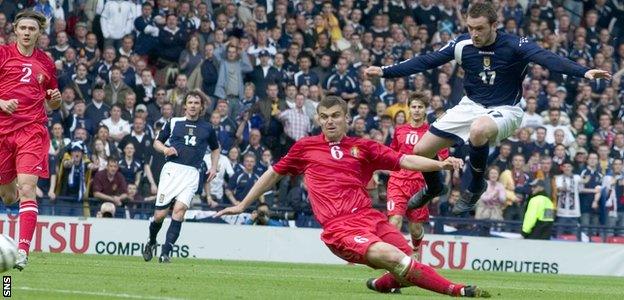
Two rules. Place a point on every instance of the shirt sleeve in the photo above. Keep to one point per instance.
(421, 63)
(382, 157)
(293, 163)
(165, 133)
(532, 52)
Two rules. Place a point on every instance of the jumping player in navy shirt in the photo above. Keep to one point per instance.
(495, 65)
(184, 142)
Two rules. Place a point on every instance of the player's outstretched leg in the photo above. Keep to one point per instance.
(411, 272)
(154, 228)
(28, 212)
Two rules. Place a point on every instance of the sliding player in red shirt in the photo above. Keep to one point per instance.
(405, 183)
(27, 85)
(337, 169)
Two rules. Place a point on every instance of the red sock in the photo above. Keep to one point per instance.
(27, 223)
(386, 283)
(427, 278)
(416, 242)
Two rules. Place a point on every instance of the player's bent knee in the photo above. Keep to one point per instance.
(27, 191)
(397, 221)
(483, 129)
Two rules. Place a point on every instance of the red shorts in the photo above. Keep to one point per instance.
(350, 236)
(24, 151)
(399, 192)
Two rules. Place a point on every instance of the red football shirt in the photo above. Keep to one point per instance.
(25, 78)
(336, 173)
(404, 139)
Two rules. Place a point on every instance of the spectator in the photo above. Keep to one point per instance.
(263, 74)
(98, 156)
(516, 182)
(73, 178)
(296, 122)
(554, 115)
(590, 192)
(340, 83)
(128, 104)
(57, 141)
(103, 134)
(539, 217)
(502, 161)
(399, 106)
(129, 166)
(242, 181)
(190, 58)
(230, 84)
(531, 119)
(78, 119)
(214, 188)
(491, 203)
(254, 145)
(567, 188)
(262, 216)
(116, 21)
(147, 30)
(110, 186)
(209, 70)
(175, 96)
(117, 126)
(117, 89)
(146, 90)
(97, 110)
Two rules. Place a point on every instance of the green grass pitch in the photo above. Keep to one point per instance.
(62, 276)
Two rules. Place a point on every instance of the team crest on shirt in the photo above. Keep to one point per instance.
(486, 62)
(40, 78)
(354, 152)
(190, 132)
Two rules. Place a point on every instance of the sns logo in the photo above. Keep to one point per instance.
(360, 239)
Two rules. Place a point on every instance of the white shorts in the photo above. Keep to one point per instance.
(176, 181)
(455, 123)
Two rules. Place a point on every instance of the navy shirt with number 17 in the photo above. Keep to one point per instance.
(494, 73)
(190, 139)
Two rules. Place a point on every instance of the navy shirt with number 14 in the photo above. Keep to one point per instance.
(190, 139)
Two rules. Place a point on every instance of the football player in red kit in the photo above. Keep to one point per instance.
(405, 183)
(27, 85)
(337, 169)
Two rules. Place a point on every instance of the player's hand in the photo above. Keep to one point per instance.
(54, 98)
(52, 195)
(597, 74)
(232, 210)
(373, 71)
(8, 106)
(212, 173)
(452, 163)
(170, 151)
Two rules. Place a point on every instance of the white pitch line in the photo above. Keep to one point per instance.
(104, 294)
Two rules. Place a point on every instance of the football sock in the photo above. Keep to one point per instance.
(478, 160)
(426, 277)
(386, 283)
(172, 236)
(27, 222)
(154, 228)
(434, 182)
(416, 240)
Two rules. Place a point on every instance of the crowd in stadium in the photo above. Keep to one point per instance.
(123, 68)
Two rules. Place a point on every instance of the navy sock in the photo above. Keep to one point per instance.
(172, 236)
(154, 228)
(434, 181)
(478, 160)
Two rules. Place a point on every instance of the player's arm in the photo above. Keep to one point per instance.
(532, 52)
(159, 143)
(415, 65)
(265, 182)
(423, 164)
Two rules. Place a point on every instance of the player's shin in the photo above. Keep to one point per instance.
(27, 222)
(172, 236)
(425, 277)
(478, 161)
(154, 228)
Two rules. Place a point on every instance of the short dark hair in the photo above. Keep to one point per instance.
(485, 9)
(31, 14)
(331, 101)
(419, 96)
